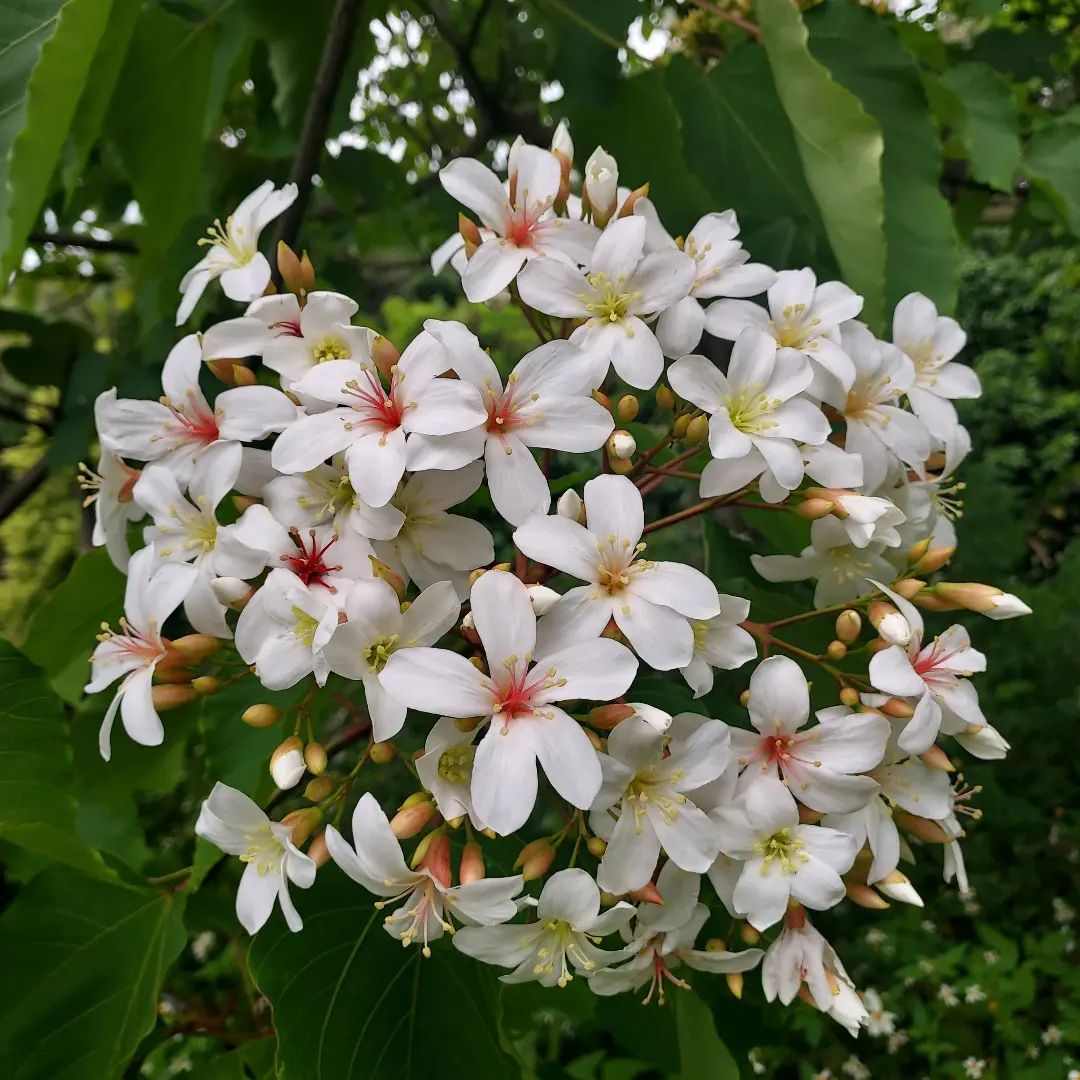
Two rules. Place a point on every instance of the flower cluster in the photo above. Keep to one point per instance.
(320, 514)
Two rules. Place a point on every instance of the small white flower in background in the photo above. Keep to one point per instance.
(974, 1067)
(620, 289)
(854, 1068)
(652, 603)
(562, 941)
(931, 341)
(880, 1021)
(517, 700)
(719, 642)
(947, 996)
(376, 629)
(800, 955)
(722, 269)
(802, 315)
(153, 592)
(232, 822)
(446, 767)
(234, 254)
(663, 939)
(756, 415)
(647, 779)
(520, 222)
(819, 765)
(429, 900)
(781, 859)
(840, 569)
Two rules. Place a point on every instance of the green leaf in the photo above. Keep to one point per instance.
(841, 150)
(66, 625)
(922, 253)
(349, 1002)
(37, 808)
(250, 1061)
(46, 48)
(701, 1050)
(1053, 158)
(987, 122)
(89, 956)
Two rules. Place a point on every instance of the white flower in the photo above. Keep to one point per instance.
(936, 674)
(600, 184)
(429, 900)
(931, 341)
(232, 822)
(719, 642)
(819, 765)
(545, 403)
(866, 518)
(618, 291)
(370, 422)
(802, 315)
(973, 1067)
(782, 860)
(516, 698)
(446, 767)
(879, 1020)
(756, 415)
(722, 269)
(840, 568)
(114, 506)
(182, 426)
(153, 593)
(648, 790)
(568, 924)
(234, 254)
(800, 955)
(652, 603)
(377, 629)
(663, 939)
(284, 629)
(522, 223)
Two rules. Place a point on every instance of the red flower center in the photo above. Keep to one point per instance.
(309, 563)
(375, 404)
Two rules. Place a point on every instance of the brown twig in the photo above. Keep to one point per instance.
(23, 488)
(119, 245)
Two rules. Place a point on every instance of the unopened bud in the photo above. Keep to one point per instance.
(749, 935)
(206, 685)
(433, 854)
(290, 269)
(923, 828)
(178, 674)
(478, 663)
(697, 431)
(303, 823)
(465, 724)
(320, 788)
(848, 626)
(917, 551)
(392, 578)
(620, 466)
(744, 698)
(535, 859)
(470, 233)
(985, 599)
(628, 408)
(865, 897)
(936, 758)
(647, 894)
(898, 709)
(166, 697)
(287, 763)
(898, 887)
(621, 445)
(735, 980)
(408, 822)
(656, 718)
(678, 428)
(635, 196)
(542, 599)
(194, 648)
(600, 187)
(665, 397)
(596, 846)
(570, 506)
(929, 600)
(261, 716)
(836, 650)
(231, 372)
(381, 753)
(471, 867)
(232, 592)
(812, 509)
(808, 816)
(849, 696)
(243, 502)
(318, 852)
(606, 717)
(315, 758)
(385, 356)
(601, 399)
(561, 143)
(889, 623)
(597, 742)
(934, 559)
(908, 587)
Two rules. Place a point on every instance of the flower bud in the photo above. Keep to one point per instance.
(392, 578)
(303, 823)
(535, 859)
(433, 855)
(929, 600)
(647, 894)
(205, 685)
(597, 742)
(471, 867)
(194, 648)
(808, 816)
(596, 846)
(631, 200)
(620, 466)
(605, 717)
(409, 821)
(748, 934)
(320, 788)
(889, 623)
(697, 431)
(381, 753)
(243, 502)
(621, 445)
(233, 592)
(735, 980)
(465, 724)
(849, 696)
(470, 233)
(923, 828)
(601, 185)
(656, 718)
(836, 650)
(917, 551)
(385, 355)
(415, 799)
(936, 758)
(896, 886)
(985, 599)
(287, 763)
(176, 673)
(934, 559)
(627, 408)
(601, 399)
(542, 599)
(570, 506)
(291, 270)
(908, 587)
(678, 428)
(744, 698)
(865, 897)
(665, 397)
(478, 663)
(812, 509)
(261, 716)
(848, 626)
(315, 758)
(561, 143)
(318, 852)
(231, 372)
(172, 697)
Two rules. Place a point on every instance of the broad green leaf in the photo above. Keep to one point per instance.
(349, 1002)
(45, 49)
(922, 250)
(841, 149)
(1053, 159)
(987, 122)
(66, 625)
(84, 961)
(250, 1061)
(37, 808)
(701, 1051)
